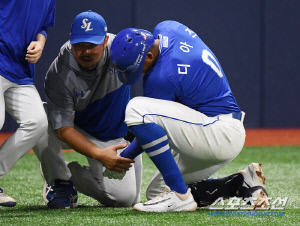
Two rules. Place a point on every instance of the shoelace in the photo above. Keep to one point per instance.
(159, 197)
(48, 189)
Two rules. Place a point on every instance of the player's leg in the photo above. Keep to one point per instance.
(254, 186)
(4, 85)
(248, 183)
(25, 105)
(206, 148)
(204, 143)
(5, 200)
(204, 192)
(154, 141)
(190, 132)
(29, 114)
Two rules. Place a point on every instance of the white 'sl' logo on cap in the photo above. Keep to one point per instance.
(86, 26)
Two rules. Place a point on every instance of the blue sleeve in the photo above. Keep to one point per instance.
(49, 18)
(44, 31)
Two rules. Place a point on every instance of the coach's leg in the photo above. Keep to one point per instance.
(109, 192)
(25, 105)
(49, 151)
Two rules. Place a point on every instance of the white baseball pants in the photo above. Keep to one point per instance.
(24, 104)
(202, 145)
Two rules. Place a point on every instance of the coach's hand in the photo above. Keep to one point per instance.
(112, 161)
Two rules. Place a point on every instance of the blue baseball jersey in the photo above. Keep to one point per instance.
(20, 22)
(188, 72)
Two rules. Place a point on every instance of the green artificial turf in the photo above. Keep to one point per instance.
(280, 166)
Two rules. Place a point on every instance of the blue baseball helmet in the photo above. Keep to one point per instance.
(128, 52)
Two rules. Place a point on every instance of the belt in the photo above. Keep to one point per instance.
(237, 115)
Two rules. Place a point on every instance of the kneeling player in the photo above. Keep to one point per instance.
(188, 108)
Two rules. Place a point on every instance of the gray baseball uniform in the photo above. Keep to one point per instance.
(94, 103)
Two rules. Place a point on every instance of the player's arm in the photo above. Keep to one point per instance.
(107, 156)
(35, 49)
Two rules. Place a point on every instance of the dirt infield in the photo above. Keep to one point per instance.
(272, 137)
(254, 137)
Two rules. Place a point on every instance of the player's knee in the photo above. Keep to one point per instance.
(133, 105)
(41, 123)
(37, 124)
(134, 109)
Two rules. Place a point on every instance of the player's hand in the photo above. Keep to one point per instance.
(112, 161)
(34, 52)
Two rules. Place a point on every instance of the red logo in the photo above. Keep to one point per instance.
(144, 35)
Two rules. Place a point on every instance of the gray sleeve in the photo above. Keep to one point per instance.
(59, 99)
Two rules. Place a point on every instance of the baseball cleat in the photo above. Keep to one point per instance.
(169, 201)
(64, 195)
(262, 200)
(208, 191)
(254, 186)
(5, 200)
(253, 175)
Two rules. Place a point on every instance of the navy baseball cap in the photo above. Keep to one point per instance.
(88, 27)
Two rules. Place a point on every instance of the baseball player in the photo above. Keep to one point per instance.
(86, 106)
(188, 107)
(23, 33)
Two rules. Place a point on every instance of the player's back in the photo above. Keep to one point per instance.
(193, 70)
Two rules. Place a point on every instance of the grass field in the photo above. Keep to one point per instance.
(280, 165)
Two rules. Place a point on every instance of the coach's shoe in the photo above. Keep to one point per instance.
(65, 195)
(169, 201)
(253, 187)
(5, 200)
(48, 191)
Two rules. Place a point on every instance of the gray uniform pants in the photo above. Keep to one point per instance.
(89, 180)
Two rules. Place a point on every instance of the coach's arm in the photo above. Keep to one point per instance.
(107, 156)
